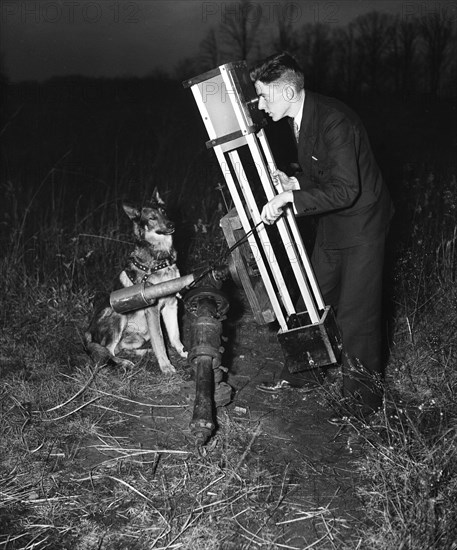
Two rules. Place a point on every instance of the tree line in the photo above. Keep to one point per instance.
(375, 53)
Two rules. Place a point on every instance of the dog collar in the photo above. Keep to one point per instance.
(148, 270)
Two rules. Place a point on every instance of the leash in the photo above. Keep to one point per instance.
(225, 254)
(240, 242)
(210, 268)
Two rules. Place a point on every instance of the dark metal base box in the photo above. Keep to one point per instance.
(311, 345)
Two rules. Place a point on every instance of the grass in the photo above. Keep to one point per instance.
(409, 473)
(56, 495)
(72, 477)
(410, 470)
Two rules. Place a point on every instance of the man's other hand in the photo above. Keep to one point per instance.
(287, 183)
(274, 208)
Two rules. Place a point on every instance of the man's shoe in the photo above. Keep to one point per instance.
(275, 387)
(283, 385)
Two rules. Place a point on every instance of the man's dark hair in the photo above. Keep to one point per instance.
(280, 66)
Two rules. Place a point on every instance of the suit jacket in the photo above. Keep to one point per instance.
(340, 180)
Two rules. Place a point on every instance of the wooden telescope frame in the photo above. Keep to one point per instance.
(228, 105)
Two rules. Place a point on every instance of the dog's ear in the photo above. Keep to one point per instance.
(156, 197)
(132, 212)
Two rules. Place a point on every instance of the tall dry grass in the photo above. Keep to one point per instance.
(409, 476)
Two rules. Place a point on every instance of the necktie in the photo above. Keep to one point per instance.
(296, 131)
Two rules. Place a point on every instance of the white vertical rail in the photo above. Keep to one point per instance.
(293, 226)
(262, 234)
(290, 246)
(252, 242)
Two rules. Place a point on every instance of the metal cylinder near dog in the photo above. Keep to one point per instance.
(143, 295)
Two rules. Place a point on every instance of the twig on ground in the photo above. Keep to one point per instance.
(139, 402)
(73, 411)
(78, 393)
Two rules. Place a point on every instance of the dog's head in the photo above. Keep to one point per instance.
(150, 222)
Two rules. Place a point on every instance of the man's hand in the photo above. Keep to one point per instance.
(287, 184)
(273, 209)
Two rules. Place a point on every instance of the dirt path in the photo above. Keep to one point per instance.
(295, 431)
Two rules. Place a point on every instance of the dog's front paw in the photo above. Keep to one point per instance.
(167, 368)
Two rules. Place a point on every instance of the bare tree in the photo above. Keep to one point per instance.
(373, 41)
(210, 55)
(436, 33)
(286, 40)
(404, 40)
(316, 55)
(239, 28)
(347, 73)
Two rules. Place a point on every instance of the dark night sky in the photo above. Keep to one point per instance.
(44, 38)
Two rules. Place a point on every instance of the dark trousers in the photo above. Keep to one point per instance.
(350, 280)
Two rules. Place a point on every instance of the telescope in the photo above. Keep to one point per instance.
(228, 105)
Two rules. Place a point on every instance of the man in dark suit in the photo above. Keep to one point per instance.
(341, 183)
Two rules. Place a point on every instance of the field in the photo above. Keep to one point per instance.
(97, 458)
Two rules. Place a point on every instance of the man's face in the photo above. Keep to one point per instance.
(277, 98)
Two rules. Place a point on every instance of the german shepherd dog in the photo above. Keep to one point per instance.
(153, 260)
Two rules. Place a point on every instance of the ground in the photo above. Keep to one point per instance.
(295, 430)
(290, 434)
